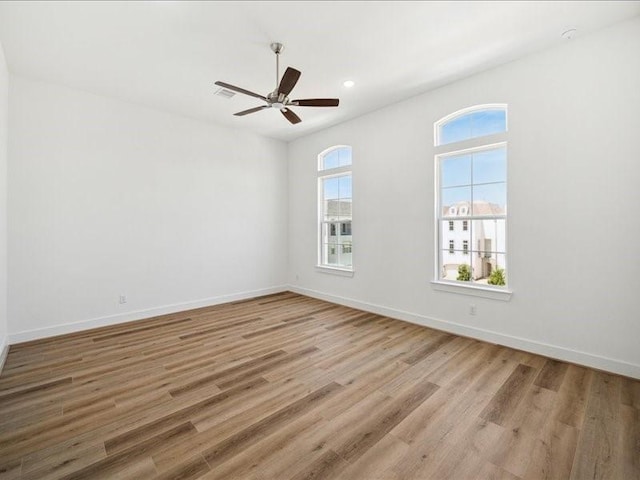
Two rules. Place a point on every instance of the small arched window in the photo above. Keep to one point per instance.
(335, 245)
(471, 123)
(471, 190)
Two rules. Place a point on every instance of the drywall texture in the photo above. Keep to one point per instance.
(4, 115)
(573, 176)
(109, 198)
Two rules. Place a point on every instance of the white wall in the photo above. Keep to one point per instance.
(109, 198)
(574, 196)
(4, 112)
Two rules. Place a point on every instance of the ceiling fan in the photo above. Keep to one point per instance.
(279, 98)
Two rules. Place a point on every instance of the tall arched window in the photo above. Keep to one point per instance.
(335, 246)
(471, 197)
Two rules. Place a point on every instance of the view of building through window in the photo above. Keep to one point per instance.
(472, 199)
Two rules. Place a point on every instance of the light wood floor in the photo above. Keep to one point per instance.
(287, 386)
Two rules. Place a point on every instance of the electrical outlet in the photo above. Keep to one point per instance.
(123, 299)
(472, 309)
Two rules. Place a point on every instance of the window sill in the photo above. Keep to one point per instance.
(475, 291)
(343, 272)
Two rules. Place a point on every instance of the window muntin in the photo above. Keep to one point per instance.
(335, 201)
(471, 191)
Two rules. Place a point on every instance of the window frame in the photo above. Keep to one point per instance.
(466, 146)
(323, 174)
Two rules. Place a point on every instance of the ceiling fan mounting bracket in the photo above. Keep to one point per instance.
(277, 48)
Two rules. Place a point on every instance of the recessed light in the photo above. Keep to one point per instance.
(569, 33)
(349, 83)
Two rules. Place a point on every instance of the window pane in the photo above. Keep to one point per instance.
(344, 209)
(345, 231)
(457, 236)
(338, 157)
(449, 264)
(455, 171)
(332, 210)
(498, 274)
(488, 122)
(345, 256)
(331, 188)
(345, 156)
(330, 254)
(490, 199)
(331, 160)
(345, 186)
(455, 266)
(456, 130)
(472, 125)
(329, 233)
(490, 166)
(455, 201)
(489, 235)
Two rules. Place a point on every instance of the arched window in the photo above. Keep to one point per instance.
(335, 245)
(471, 194)
(470, 123)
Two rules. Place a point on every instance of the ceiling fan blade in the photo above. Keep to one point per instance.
(251, 110)
(317, 102)
(289, 80)
(240, 90)
(289, 115)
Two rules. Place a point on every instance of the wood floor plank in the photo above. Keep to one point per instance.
(551, 375)
(130, 457)
(630, 393)
(506, 400)
(287, 386)
(191, 469)
(134, 436)
(268, 450)
(259, 430)
(323, 468)
(572, 396)
(376, 463)
(598, 448)
(552, 456)
(377, 426)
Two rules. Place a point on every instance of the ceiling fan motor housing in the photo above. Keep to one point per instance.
(277, 100)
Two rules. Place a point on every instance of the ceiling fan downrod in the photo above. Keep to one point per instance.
(277, 49)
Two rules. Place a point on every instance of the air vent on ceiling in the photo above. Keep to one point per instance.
(224, 93)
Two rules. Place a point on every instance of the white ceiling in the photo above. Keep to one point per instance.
(167, 55)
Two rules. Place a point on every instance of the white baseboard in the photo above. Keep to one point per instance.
(138, 315)
(561, 353)
(4, 351)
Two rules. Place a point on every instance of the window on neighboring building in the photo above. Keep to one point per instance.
(471, 188)
(335, 201)
(452, 246)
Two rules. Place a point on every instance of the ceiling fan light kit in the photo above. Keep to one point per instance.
(279, 98)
